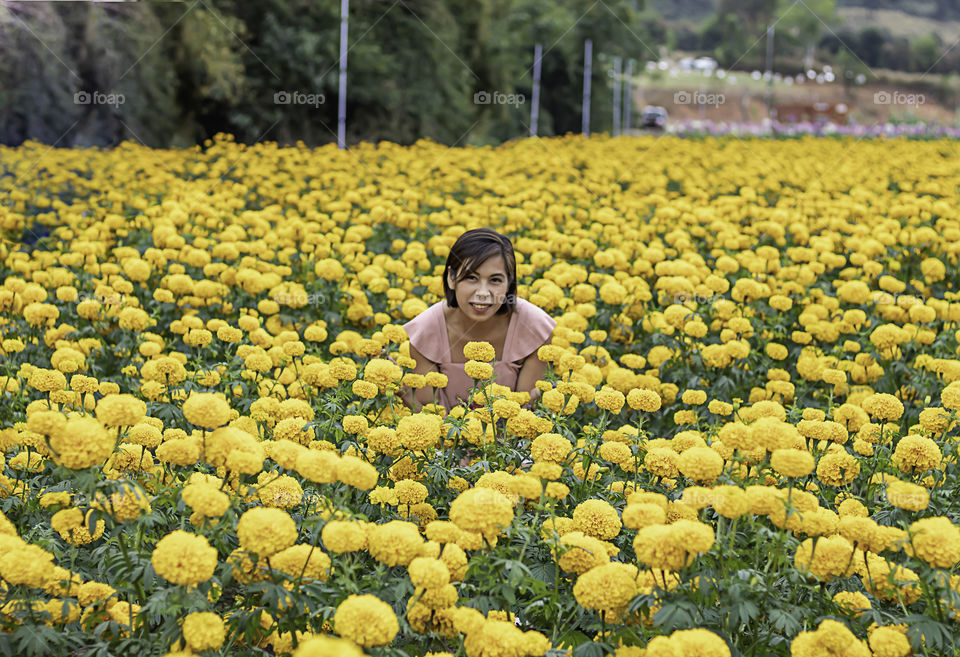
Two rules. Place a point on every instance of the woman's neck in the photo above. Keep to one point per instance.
(464, 327)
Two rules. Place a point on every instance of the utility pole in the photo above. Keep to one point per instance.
(587, 72)
(769, 71)
(342, 92)
(617, 81)
(535, 101)
(627, 98)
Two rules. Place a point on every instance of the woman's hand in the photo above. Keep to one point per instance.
(534, 396)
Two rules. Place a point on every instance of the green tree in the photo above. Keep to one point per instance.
(803, 23)
(924, 53)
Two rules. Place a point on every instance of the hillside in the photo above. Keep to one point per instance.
(906, 18)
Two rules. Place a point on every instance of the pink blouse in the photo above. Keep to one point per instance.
(529, 329)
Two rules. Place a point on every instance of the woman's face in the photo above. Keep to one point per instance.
(481, 292)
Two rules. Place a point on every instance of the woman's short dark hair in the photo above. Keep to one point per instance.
(471, 250)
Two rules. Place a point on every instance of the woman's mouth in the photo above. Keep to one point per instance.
(480, 307)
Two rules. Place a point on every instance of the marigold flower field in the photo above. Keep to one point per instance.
(746, 442)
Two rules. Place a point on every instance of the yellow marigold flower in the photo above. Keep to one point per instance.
(556, 490)
(265, 531)
(282, 492)
(780, 302)
(828, 558)
(129, 503)
(550, 447)
(852, 507)
(610, 400)
(643, 514)
(934, 540)
(907, 496)
(888, 642)
(581, 552)
(481, 351)
(914, 454)
(935, 419)
(505, 408)
(792, 462)
(694, 397)
(46, 380)
(884, 407)
(74, 527)
(184, 558)
(383, 440)
(612, 293)
(436, 380)
(355, 424)
(326, 646)
(949, 396)
(553, 399)
(205, 499)
(443, 531)
(355, 472)
(596, 518)
(837, 468)
(343, 536)
(699, 642)
(366, 389)
(700, 464)
(47, 423)
(82, 443)
(607, 587)
(616, 452)
(120, 410)
(429, 573)
(366, 620)
(730, 501)
(829, 633)
(673, 546)
(59, 498)
(644, 400)
(395, 543)
(179, 451)
(207, 410)
(382, 372)
(546, 470)
(420, 431)
(410, 492)
(476, 369)
(203, 630)
(853, 602)
(318, 466)
(482, 510)
(662, 462)
(383, 495)
(302, 560)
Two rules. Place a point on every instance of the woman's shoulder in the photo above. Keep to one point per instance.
(534, 327)
(424, 332)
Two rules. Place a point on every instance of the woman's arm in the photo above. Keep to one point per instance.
(417, 398)
(532, 370)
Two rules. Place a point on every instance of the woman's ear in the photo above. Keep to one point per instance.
(451, 279)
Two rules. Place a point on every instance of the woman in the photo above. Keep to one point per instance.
(480, 285)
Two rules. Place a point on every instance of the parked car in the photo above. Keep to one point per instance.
(654, 117)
